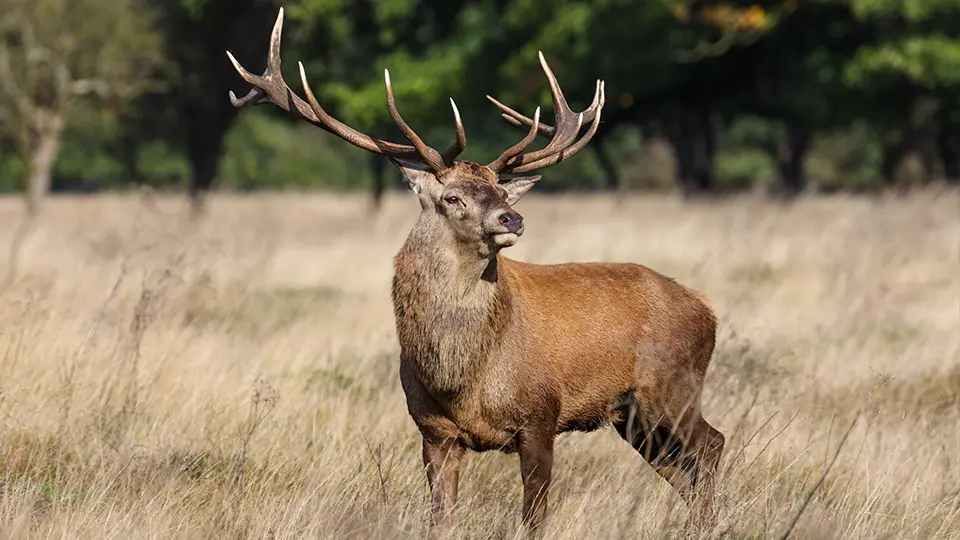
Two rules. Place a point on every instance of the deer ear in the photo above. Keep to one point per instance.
(517, 187)
(418, 175)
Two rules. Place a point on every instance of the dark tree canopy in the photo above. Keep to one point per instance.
(701, 95)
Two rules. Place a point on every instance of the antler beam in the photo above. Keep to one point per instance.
(271, 88)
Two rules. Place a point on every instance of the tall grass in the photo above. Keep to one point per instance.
(238, 378)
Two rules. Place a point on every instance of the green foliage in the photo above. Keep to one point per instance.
(54, 56)
(745, 155)
(844, 70)
(929, 61)
(847, 159)
(743, 168)
(910, 10)
(919, 41)
(754, 132)
(11, 172)
(159, 164)
(262, 152)
(60, 49)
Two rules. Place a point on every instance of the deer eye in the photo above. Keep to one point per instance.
(452, 200)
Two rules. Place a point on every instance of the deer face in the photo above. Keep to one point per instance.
(471, 202)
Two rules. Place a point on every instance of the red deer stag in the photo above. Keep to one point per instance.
(498, 354)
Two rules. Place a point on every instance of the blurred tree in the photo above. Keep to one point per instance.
(660, 60)
(425, 44)
(949, 138)
(342, 37)
(441, 48)
(771, 80)
(912, 68)
(54, 52)
(196, 114)
(477, 48)
(793, 77)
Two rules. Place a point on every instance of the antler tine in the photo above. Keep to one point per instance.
(518, 119)
(461, 143)
(499, 164)
(559, 102)
(269, 87)
(567, 152)
(546, 130)
(430, 156)
(256, 95)
(568, 123)
(566, 130)
(349, 134)
(590, 112)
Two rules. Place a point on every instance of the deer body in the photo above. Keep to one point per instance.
(527, 338)
(498, 354)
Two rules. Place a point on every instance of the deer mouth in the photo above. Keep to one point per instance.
(507, 239)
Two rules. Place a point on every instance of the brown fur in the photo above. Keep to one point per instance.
(504, 355)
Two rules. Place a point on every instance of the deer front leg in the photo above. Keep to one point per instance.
(442, 450)
(536, 463)
(441, 458)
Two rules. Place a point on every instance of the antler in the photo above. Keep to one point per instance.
(563, 143)
(517, 149)
(271, 88)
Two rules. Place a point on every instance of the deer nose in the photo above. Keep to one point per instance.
(512, 221)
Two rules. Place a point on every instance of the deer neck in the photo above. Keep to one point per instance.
(451, 307)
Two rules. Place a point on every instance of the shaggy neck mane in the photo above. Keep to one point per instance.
(451, 306)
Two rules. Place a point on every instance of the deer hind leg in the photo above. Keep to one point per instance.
(685, 452)
(705, 447)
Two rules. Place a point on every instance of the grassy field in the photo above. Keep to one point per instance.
(239, 379)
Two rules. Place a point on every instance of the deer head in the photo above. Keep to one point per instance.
(473, 201)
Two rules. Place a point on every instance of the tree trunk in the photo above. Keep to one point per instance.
(951, 166)
(204, 169)
(906, 164)
(126, 153)
(694, 146)
(41, 155)
(708, 153)
(912, 161)
(949, 146)
(927, 138)
(610, 171)
(685, 151)
(790, 161)
(891, 153)
(39, 149)
(205, 135)
(377, 168)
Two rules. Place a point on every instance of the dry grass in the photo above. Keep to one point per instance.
(239, 380)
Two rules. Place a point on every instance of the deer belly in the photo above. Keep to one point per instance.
(590, 413)
(482, 422)
(590, 396)
(480, 435)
